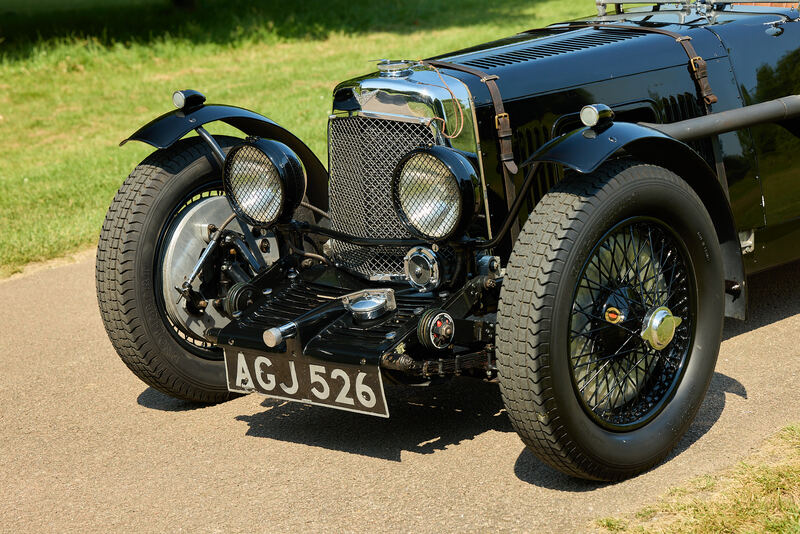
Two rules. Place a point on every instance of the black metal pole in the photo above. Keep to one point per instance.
(513, 212)
(776, 110)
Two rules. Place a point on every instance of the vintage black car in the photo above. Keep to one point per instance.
(570, 211)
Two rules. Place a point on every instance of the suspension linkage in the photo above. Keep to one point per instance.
(186, 287)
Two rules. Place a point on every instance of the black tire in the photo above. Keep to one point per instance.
(127, 254)
(581, 219)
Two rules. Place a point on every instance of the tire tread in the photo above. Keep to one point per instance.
(114, 272)
(527, 297)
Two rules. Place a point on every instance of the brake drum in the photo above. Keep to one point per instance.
(185, 242)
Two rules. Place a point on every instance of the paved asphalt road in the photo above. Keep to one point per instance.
(85, 446)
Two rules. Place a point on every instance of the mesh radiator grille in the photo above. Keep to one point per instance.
(363, 154)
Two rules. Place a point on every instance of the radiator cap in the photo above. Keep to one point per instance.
(394, 68)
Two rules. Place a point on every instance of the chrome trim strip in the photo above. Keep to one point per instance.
(387, 278)
(376, 115)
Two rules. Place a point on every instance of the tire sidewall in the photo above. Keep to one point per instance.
(673, 203)
(170, 189)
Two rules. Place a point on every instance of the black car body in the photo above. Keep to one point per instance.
(475, 204)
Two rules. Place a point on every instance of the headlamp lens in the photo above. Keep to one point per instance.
(429, 196)
(254, 184)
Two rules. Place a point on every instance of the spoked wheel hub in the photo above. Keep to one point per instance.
(621, 309)
(631, 324)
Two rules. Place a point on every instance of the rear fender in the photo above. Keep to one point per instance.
(585, 149)
(163, 131)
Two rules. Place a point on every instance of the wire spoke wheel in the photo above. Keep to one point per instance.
(610, 319)
(621, 379)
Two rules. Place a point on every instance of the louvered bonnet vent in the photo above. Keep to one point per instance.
(546, 47)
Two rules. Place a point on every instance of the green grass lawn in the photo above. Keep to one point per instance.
(78, 77)
(761, 494)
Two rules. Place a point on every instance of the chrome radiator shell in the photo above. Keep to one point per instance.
(375, 121)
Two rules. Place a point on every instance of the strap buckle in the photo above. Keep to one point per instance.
(498, 118)
(693, 62)
(490, 77)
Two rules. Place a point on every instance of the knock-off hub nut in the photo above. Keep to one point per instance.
(658, 328)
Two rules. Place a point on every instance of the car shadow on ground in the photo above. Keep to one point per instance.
(773, 295)
(423, 421)
(155, 400)
(530, 469)
(426, 420)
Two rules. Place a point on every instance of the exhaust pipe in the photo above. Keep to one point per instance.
(776, 110)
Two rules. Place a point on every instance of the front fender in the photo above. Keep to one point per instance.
(163, 131)
(585, 149)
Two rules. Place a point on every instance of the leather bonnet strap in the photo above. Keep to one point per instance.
(502, 124)
(697, 65)
(501, 120)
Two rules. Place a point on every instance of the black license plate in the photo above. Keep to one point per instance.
(355, 388)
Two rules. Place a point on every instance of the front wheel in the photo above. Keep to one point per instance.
(610, 320)
(151, 238)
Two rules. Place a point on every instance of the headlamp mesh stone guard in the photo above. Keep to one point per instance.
(428, 195)
(253, 185)
(363, 155)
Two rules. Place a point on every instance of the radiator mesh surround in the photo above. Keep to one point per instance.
(363, 154)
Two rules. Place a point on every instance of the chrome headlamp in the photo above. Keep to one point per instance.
(434, 192)
(264, 181)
